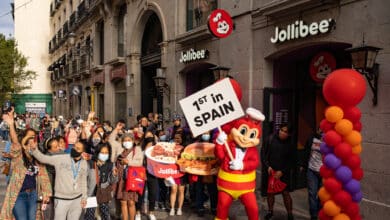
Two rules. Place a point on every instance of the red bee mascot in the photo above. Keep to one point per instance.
(237, 176)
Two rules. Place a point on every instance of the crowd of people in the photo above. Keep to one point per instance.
(62, 162)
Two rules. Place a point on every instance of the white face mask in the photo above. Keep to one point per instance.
(95, 141)
(205, 137)
(103, 157)
(163, 138)
(128, 144)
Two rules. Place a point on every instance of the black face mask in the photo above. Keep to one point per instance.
(74, 153)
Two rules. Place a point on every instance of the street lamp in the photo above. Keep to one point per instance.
(220, 72)
(363, 60)
(162, 87)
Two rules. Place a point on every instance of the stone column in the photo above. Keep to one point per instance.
(134, 88)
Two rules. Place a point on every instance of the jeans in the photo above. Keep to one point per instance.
(314, 183)
(26, 206)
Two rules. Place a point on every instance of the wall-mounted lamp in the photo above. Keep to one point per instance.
(220, 72)
(130, 79)
(72, 38)
(160, 82)
(363, 60)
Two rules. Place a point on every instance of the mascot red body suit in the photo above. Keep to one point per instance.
(237, 177)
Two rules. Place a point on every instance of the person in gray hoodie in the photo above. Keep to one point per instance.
(70, 181)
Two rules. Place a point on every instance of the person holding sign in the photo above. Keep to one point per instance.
(237, 177)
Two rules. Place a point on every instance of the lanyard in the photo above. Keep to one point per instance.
(75, 172)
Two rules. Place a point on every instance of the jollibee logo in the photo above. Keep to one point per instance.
(220, 23)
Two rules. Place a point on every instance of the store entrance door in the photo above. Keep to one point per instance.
(281, 106)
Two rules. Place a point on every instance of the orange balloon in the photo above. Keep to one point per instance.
(333, 114)
(331, 209)
(343, 127)
(353, 138)
(323, 194)
(357, 149)
(341, 216)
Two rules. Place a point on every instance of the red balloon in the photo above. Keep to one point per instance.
(343, 150)
(326, 126)
(352, 210)
(323, 216)
(353, 161)
(342, 198)
(332, 138)
(344, 87)
(332, 185)
(325, 172)
(357, 126)
(356, 217)
(353, 114)
(237, 88)
(357, 173)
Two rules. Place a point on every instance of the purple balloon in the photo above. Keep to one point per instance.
(357, 197)
(353, 186)
(332, 161)
(325, 149)
(344, 174)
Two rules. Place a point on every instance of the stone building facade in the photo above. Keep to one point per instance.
(105, 56)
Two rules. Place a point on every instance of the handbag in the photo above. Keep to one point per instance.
(103, 195)
(275, 185)
(135, 181)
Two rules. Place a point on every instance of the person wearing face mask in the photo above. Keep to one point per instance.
(202, 182)
(105, 175)
(130, 155)
(115, 142)
(70, 190)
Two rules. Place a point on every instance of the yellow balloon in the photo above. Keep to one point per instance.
(331, 209)
(343, 127)
(353, 138)
(334, 114)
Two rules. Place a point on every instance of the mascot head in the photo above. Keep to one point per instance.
(246, 131)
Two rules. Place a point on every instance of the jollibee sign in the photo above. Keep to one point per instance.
(220, 23)
(301, 30)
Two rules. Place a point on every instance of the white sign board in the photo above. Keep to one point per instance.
(211, 107)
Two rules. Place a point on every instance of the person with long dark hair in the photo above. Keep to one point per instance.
(29, 179)
(277, 161)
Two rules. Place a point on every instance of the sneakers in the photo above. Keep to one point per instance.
(179, 212)
(172, 212)
(138, 216)
(152, 217)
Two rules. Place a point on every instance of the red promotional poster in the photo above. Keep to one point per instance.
(321, 65)
(220, 23)
(161, 160)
